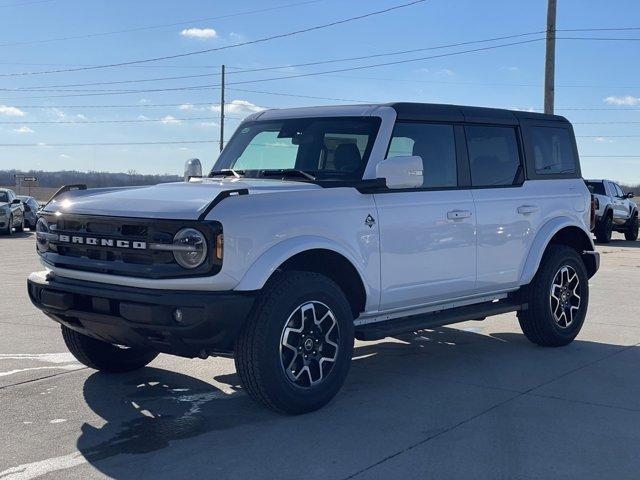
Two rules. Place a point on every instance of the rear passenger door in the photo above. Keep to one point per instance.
(427, 234)
(505, 214)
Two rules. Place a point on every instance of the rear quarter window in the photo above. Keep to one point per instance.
(550, 151)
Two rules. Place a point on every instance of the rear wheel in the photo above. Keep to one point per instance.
(295, 351)
(632, 232)
(20, 226)
(557, 298)
(105, 356)
(604, 229)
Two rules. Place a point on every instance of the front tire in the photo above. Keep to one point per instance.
(9, 230)
(557, 298)
(632, 233)
(294, 353)
(104, 356)
(20, 227)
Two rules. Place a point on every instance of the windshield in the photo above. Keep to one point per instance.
(324, 148)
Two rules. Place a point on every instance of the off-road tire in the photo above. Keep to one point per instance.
(258, 347)
(104, 356)
(631, 233)
(537, 320)
(604, 229)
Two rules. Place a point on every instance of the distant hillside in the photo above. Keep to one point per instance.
(91, 179)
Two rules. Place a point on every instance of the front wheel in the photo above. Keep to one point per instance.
(9, 229)
(294, 353)
(632, 232)
(104, 356)
(20, 226)
(557, 298)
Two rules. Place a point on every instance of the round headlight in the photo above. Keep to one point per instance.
(42, 235)
(190, 248)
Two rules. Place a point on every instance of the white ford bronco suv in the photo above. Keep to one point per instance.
(320, 225)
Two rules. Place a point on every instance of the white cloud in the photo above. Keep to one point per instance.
(143, 117)
(626, 100)
(446, 72)
(64, 156)
(80, 116)
(171, 120)
(11, 111)
(209, 124)
(602, 140)
(142, 101)
(511, 69)
(240, 107)
(202, 33)
(23, 129)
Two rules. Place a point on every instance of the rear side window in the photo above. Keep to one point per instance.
(553, 151)
(493, 156)
(435, 144)
(596, 188)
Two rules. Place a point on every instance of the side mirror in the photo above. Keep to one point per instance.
(192, 168)
(16, 201)
(401, 172)
(630, 195)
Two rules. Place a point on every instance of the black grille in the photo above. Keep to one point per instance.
(125, 261)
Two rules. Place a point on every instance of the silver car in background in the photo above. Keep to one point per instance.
(11, 212)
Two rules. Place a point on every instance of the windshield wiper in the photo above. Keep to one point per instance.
(288, 172)
(225, 172)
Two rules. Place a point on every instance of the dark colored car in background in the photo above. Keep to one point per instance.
(31, 207)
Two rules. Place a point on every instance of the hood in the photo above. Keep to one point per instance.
(180, 200)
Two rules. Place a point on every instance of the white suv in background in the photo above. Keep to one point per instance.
(615, 210)
(320, 225)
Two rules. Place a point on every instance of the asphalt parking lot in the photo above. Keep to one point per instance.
(475, 401)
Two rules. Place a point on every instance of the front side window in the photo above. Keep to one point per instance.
(618, 190)
(493, 156)
(553, 150)
(327, 148)
(435, 144)
(4, 197)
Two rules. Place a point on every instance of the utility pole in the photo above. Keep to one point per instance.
(222, 109)
(550, 58)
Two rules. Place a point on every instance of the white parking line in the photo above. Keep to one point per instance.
(37, 469)
(60, 361)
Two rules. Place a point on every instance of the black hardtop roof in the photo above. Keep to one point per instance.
(462, 113)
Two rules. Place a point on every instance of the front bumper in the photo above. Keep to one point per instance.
(209, 323)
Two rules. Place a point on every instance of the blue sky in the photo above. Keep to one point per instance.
(590, 74)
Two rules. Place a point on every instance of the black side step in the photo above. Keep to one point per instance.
(478, 311)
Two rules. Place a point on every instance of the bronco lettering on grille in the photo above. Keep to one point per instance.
(102, 242)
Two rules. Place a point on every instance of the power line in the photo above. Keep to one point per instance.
(168, 119)
(153, 27)
(24, 4)
(248, 70)
(301, 75)
(104, 144)
(225, 47)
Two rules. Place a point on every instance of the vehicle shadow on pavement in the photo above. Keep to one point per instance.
(622, 243)
(446, 373)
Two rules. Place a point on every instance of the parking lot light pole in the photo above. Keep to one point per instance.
(222, 108)
(550, 58)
